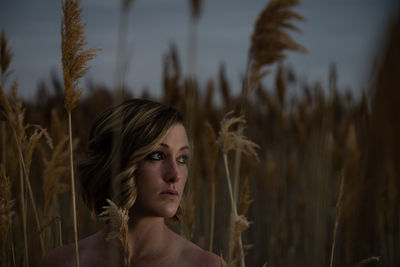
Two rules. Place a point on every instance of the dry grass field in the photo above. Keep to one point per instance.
(314, 177)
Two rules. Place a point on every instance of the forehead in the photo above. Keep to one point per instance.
(176, 136)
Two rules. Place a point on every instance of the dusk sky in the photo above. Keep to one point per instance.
(345, 32)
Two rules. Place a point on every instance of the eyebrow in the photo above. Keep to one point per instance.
(167, 146)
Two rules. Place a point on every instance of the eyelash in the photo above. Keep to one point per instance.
(158, 155)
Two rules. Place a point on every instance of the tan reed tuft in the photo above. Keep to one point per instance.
(228, 139)
(117, 219)
(74, 56)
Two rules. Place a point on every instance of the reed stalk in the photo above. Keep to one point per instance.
(338, 215)
(213, 152)
(60, 232)
(3, 145)
(12, 246)
(23, 209)
(233, 204)
(212, 219)
(73, 194)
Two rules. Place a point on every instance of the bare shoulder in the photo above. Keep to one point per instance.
(61, 257)
(64, 256)
(197, 256)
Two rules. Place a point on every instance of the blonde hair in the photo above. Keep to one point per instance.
(119, 139)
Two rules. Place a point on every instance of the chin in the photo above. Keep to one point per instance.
(169, 213)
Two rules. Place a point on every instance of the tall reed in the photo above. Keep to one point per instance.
(74, 65)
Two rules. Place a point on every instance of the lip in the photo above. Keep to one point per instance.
(170, 194)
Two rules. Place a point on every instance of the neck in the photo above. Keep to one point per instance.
(148, 237)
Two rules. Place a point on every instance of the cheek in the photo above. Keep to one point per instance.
(145, 179)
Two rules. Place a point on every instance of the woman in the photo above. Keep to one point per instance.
(137, 157)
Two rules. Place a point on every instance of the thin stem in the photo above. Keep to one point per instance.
(228, 179)
(338, 214)
(3, 145)
(234, 209)
(60, 232)
(12, 246)
(210, 247)
(71, 156)
(24, 216)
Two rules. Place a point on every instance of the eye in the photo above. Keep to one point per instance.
(155, 156)
(183, 159)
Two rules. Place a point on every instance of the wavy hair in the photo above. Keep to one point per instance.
(119, 139)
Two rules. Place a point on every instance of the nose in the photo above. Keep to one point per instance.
(171, 174)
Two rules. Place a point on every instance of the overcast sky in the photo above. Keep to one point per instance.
(345, 32)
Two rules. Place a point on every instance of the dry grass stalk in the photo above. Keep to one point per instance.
(339, 203)
(212, 160)
(241, 223)
(24, 218)
(229, 140)
(74, 65)
(117, 219)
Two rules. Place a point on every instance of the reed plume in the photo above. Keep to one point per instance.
(269, 39)
(74, 56)
(74, 65)
(117, 219)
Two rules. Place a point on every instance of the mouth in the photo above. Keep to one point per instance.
(170, 193)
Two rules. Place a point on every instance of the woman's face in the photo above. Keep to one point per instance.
(162, 175)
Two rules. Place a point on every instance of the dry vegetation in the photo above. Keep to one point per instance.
(312, 180)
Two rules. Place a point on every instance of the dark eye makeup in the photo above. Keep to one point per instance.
(158, 155)
(155, 156)
(183, 159)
